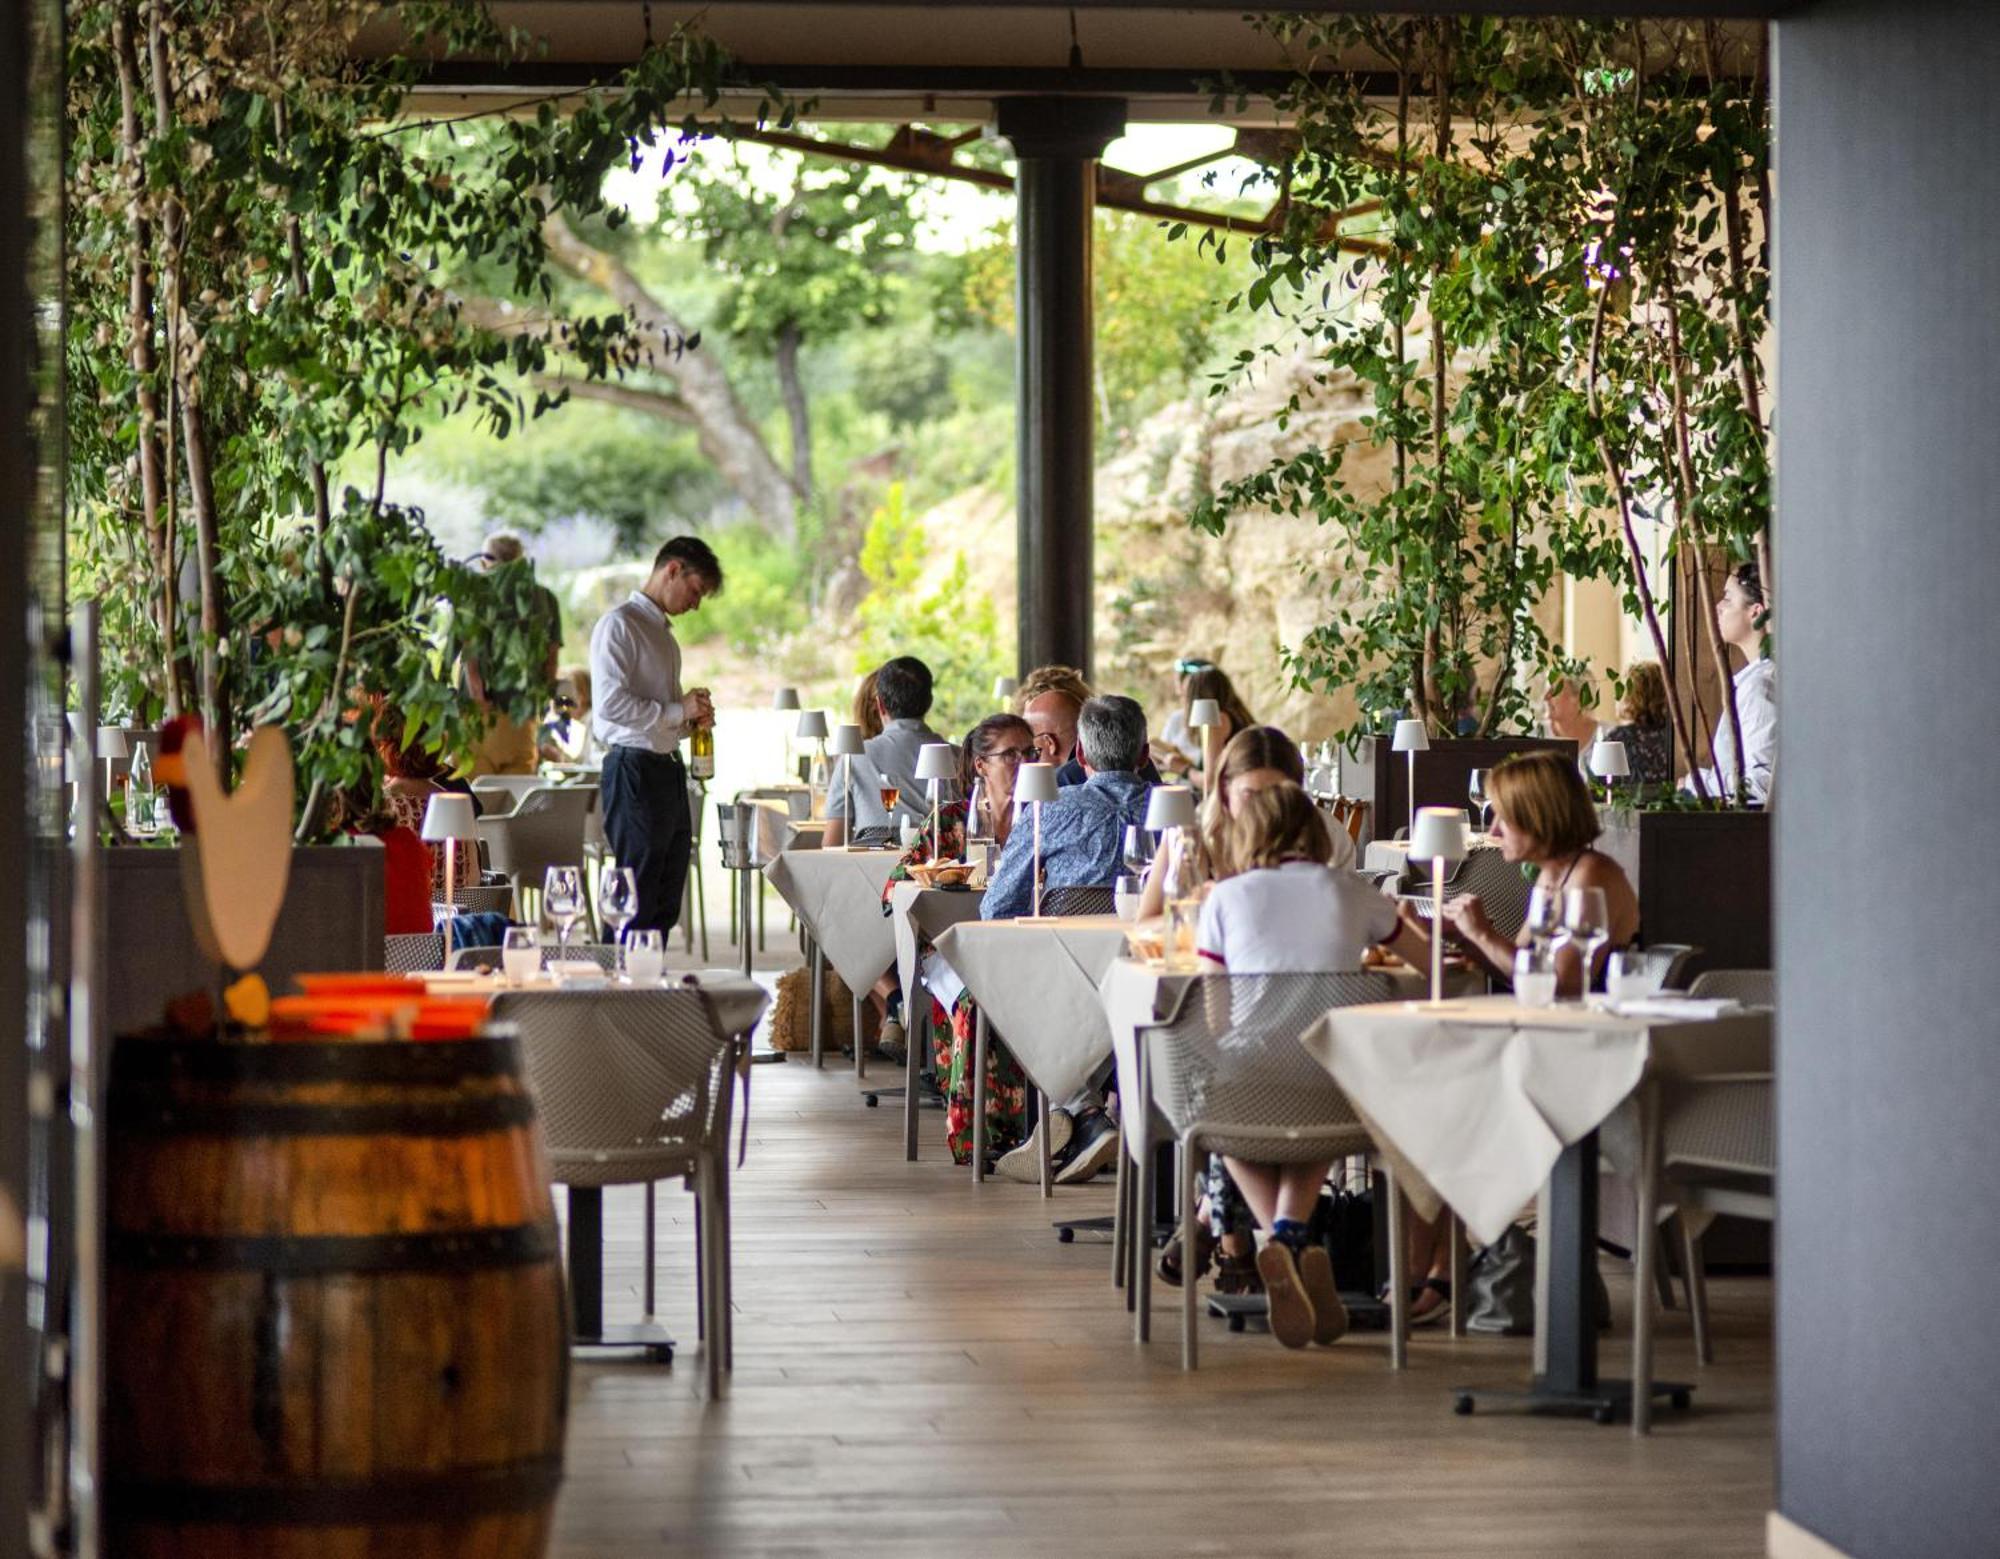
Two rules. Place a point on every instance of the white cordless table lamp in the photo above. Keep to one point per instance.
(847, 746)
(1410, 739)
(1004, 689)
(812, 728)
(785, 701)
(1035, 784)
(1439, 837)
(937, 762)
(449, 818)
(1609, 761)
(1205, 716)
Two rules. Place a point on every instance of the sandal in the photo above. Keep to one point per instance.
(1238, 1274)
(1168, 1262)
(1438, 1312)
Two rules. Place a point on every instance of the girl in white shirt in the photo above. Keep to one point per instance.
(1286, 911)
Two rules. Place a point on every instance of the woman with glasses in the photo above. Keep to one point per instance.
(992, 754)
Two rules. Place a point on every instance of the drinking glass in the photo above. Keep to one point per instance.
(1587, 922)
(1544, 917)
(1535, 976)
(1140, 843)
(1482, 809)
(1125, 895)
(1630, 973)
(975, 815)
(520, 954)
(891, 794)
(617, 899)
(562, 900)
(645, 956)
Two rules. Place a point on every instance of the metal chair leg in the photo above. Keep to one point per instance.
(1120, 1222)
(761, 897)
(712, 1338)
(1190, 1213)
(1140, 1239)
(701, 910)
(1455, 1232)
(1399, 1282)
(860, 1006)
(700, 1277)
(1696, 1268)
(979, 1096)
(646, 1285)
(819, 1004)
(1647, 1248)
(1042, 1130)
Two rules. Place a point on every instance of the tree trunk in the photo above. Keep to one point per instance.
(793, 391)
(724, 431)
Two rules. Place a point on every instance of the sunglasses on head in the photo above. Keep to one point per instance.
(1188, 668)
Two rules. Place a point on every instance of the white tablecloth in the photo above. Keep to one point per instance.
(1037, 981)
(921, 914)
(838, 895)
(1475, 1102)
(779, 831)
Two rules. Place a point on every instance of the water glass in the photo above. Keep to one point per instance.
(520, 954)
(1630, 974)
(617, 899)
(1535, 977)
(1125, 895)
(645, 956)
(1140, 843)
(562, 900)
(1183, 922)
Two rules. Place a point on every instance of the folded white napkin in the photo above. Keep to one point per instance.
(1668, 1006)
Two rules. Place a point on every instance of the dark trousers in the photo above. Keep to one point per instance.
(645, 800)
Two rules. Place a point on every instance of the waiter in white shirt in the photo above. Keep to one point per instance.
(640, 717)
(1740, 620)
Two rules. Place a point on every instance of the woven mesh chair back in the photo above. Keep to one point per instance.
(1078, 901)
(1498, 882)
(1724, 1124)
(1752, 987)
(413, 952)
(631, 1088)
(1229, 1056)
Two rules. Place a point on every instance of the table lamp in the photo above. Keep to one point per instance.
(937, 762)
(114, 750)
(1205, 716)
(1410, 739)
(785, 701)
(1609, 761)
(812, 728)
(1439, 837)
(1036, 783)
(448, 818)
(1170, 813)
(847, 746)
(1004, 689)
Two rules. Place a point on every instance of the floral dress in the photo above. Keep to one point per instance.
(950, 1031)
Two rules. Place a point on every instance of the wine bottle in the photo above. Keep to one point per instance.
(701, 752)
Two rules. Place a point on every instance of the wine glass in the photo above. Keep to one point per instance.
(891, 794)
(617, 899)
(1587, 921)
(562, 901)
(520, 954)
(1544, 916)
(1140, 843)
(1482, 809)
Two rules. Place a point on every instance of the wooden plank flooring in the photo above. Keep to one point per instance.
(922, 1370)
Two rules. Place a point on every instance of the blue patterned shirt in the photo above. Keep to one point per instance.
(1083, 839)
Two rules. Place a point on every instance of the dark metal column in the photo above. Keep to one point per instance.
(1056, 142)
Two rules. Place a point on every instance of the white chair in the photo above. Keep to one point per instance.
(603, 954)
(546, 828)
(636, 1090)
(1752, 987)
(1226, 1072)
(499, 794)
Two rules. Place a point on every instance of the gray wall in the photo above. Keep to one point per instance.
(1889, 774)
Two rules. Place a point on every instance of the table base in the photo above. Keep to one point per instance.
(1608, 1402)
(586, 1286)
(642, 1336)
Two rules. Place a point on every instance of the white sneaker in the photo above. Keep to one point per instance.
(1025, 1162)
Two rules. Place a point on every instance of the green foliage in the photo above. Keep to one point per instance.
(263, 258)
(765, 598)
(952, 628)
(1542, 360)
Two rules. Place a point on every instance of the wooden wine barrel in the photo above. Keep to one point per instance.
(335, 1323)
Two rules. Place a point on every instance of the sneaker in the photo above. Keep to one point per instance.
(890, 1041)
(1293, 1322)
(1094, 1146)
(1316, 1277)
(1024, 1163)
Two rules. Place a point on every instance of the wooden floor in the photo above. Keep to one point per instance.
(921, 1369)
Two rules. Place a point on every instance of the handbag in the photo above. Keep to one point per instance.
(1501, 1279)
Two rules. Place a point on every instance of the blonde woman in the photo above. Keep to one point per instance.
(1645, 728)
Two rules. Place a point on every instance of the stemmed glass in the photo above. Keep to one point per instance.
(562, 901)
(1482, 809)
(617, 900)
(1587, 921)
(1140, 843)
(1544, 916)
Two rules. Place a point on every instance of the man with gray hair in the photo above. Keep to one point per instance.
(1083, 837)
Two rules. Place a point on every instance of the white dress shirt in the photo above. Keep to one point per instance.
(1757, 712)
(635, 675)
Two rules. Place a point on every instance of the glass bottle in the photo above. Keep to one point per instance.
(701, 752)
(139, 791)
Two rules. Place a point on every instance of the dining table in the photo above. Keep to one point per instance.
(738, 1005)
(1481, 1103)
(1036, 982)
(919, 915)
(837, 895)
